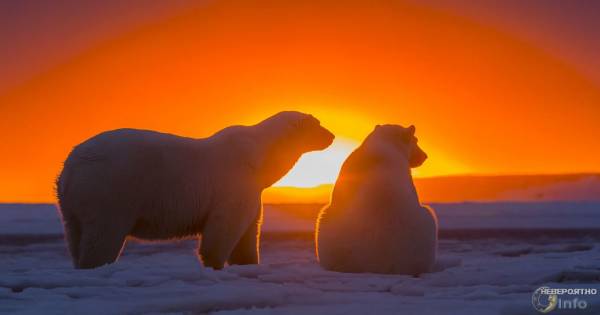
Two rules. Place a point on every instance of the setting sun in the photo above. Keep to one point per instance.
(321, 167)
(478, 109)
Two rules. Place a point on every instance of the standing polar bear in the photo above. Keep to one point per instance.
(157, 186)
(375, 222)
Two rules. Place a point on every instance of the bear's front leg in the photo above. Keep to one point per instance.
(225, 228)
(246, 252)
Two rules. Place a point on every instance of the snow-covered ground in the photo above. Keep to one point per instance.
(478, 272)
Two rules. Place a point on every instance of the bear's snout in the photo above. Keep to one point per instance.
(324, 138)
(418, 158)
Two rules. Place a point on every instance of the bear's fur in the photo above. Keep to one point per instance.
(156, 186)
(375, 222)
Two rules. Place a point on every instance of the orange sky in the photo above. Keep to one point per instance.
(483, 101)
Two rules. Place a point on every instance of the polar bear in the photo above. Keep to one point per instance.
(375, 222)
(156, 186)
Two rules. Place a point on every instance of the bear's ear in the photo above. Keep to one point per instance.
(406, 135)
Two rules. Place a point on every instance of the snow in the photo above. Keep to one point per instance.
(37, 219)
(475, 274)
(464, 216)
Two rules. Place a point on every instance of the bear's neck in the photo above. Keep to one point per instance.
(276, 164)
(278, 157)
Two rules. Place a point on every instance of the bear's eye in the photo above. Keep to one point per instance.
(302, 123)
(406, 137)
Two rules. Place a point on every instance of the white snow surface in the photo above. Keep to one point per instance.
(475, 274)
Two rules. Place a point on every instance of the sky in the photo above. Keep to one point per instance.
(493, 87)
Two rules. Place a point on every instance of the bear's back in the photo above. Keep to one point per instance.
(375, 222)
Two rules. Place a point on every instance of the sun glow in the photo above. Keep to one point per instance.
(483, 101)
(320, 167)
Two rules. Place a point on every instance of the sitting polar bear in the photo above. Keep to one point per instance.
(375, 222)
(156, 186)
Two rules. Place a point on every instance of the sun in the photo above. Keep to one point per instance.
(322, 167)
(351, 127)
(319, 167)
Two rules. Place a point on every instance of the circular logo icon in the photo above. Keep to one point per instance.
(543, 302)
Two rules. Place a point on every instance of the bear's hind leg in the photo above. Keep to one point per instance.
(100, 244)
(73, 236)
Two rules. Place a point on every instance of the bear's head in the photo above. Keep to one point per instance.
(404, 140)
(287, 135)
(298, 131)
(306, 131)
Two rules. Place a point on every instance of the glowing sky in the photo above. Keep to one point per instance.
(485, 97)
